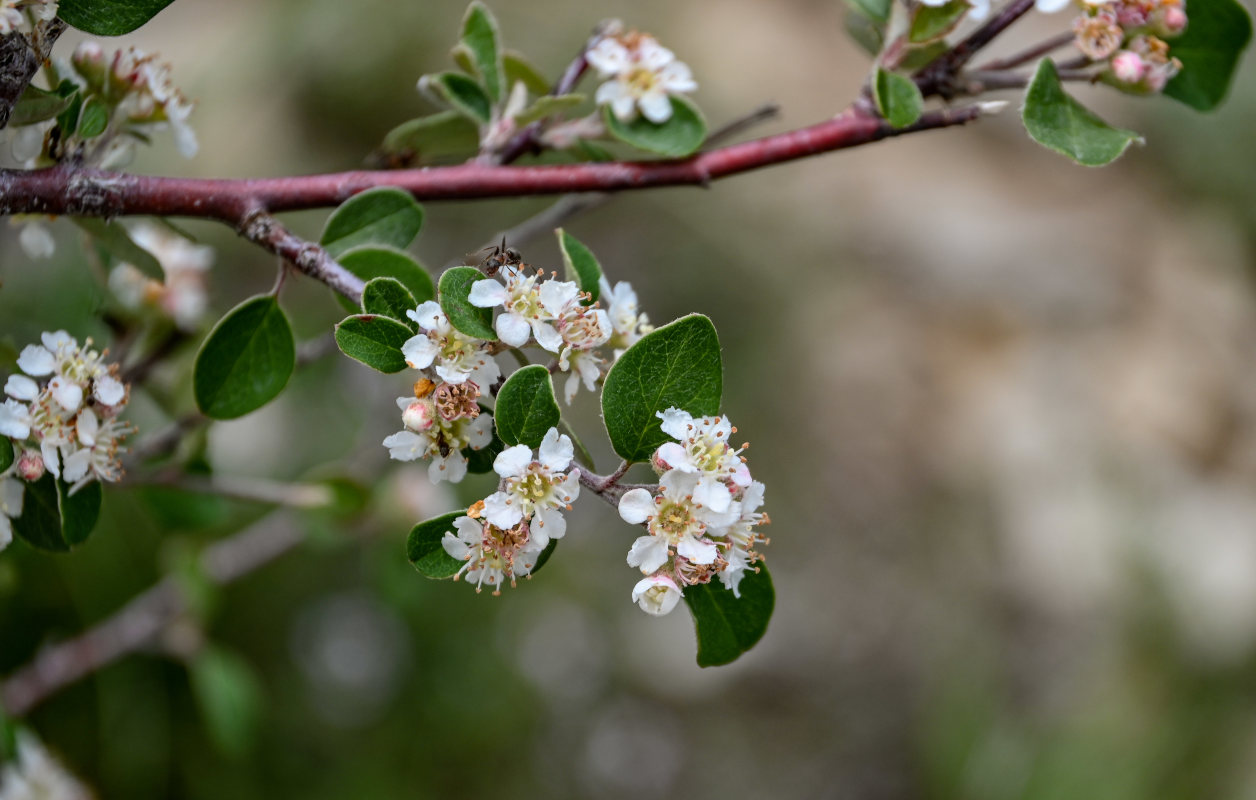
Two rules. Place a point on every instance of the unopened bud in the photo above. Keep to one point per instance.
(88, 60)
(1173, 20)
(418, 416)
(1128, 67)
(30, 465)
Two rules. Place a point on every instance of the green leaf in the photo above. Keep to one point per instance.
(544, 557)
(877, 10)
(480, 462)
(898, 98)
(681, 135)
(1060, 123)
(387, 297)
(1215, 37)
(462, 93)
(547, 105)
(580, 263)
(728, 626)
(526, 408)
(865, 32)
(919, 57)
(677, 365)
(38, 105)
(379, 216)
(230, 698)
(369, 263)
(374, 340)
(109, 17)
(245, 361)
(6, 453)
(518, 68)
(67, 120)
(52, 519)
(455, 285)
(480, 37)
(440, 135)
(94, 119)
(424, 550)
(112, 236)
(934, 22)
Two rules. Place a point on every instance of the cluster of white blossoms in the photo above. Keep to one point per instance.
(640, 74)
(183, 296)
(503, 535)
(62, 418)
(1127, 34)
(12, 19)
(701, 522)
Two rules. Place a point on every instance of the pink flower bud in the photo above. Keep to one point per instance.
(1173, 20)
(1128, 67)
(418, 416)
(88, 60)
(30, 465)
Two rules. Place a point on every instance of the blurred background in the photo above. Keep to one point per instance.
(1003, 406)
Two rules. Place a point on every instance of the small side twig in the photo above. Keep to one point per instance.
(1029, 54)
(261, 228)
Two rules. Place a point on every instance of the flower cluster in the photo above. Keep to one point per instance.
(640, 75)
(502, 536)
(1128, 35)
(701, 522)
(62, 415)
(183, 296)
(12, 19)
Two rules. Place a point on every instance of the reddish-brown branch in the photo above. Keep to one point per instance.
(82, 192)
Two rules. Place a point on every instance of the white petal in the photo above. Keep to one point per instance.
(675, 457)
(612, 92)
(551, 522)
(36, 360)
(67, 393)
(500, 511)
(405, 446)
(419, 351)
(1051, 6)
(479, 431)
(450, 373)
(608, 57)
(428, 315)
(656, 106)
(511, 462)
(675, 423)
(570, 488)
(731, 578)
(455, 547)
(657, 595)
(696, 551)
(676, 485)
(486, 374)
(752, 498)
(512, 329)
(677, 77)
(741, 474)
(556, 295)
(15, 420)
(571, 387)
(52, 458)
(21, 387)
(487, 293)
(636, 506)
(556, 451)
(623, 108)
(58, 340)
(87, 427)
(109, 390)
(452, 468)
(76, 465)
(36, 241)
(712, 494)
(6, 532)
(11, 492)
(547, 337)
(469, 531)
(648, 553)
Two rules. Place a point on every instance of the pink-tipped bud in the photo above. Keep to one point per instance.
(30, 465)
(418, 416)
(1173, 20)
(667, 457)
(88, 60)
(1128, 67)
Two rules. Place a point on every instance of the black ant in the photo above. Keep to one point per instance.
(502, 256)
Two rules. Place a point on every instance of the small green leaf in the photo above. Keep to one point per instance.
(526, 408)
(440, 135)
(1216, 36)
(518, 68)
(728, 626)
(113, 236)
(109, 17)
(374, 340)
(898, 98)
(677, 365)
(52, 519)
(919, 57)
(1058, 122)
(369, 263)
(934, 22)
(387, 297)
(462, 93)
(230, 698)
(67, 121)
(544, 557)
(480, 37)
(424, 550)
(6, 454)
(877, 10)
(580, 264)
(865, 32)
(38, 105)
(547, 105)
(455, 285)
(94, 119)
(681, 135)
(379, 216)
(245, 361)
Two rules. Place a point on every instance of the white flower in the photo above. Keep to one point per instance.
(36, 240)
(656, 595)
(456, 357)
(10, 508)
(587, 367)
(21, 387)
(675, 522)
(109, 390)
(68, 394)
(493, 555)
(183, 296)
(642, 74)
(442, 441)
(628, 324)
(96, 457)
(523, 312)
(742, 538)
(15, 420)
(1051, 6)
(10, 20)
(535, 490)
(703, 448)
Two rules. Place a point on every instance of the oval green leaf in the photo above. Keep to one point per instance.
(424, 550)
(580, 264)
(1215, 37)
(480, 37)
(369, 263)
(1058, 122)
(109, 17)
(37, 105)
(934, 22)
(728, 626)
(463, 94)
(526, 408)
(245, 361)
(898, 98)
(387, 297)
(447, 133)
(677, 365)
(518, 68)
(681, 135)
(94, 119)
(455, 286)
(55, 521)
(230, 698)
(374, 340)
(380, 216)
